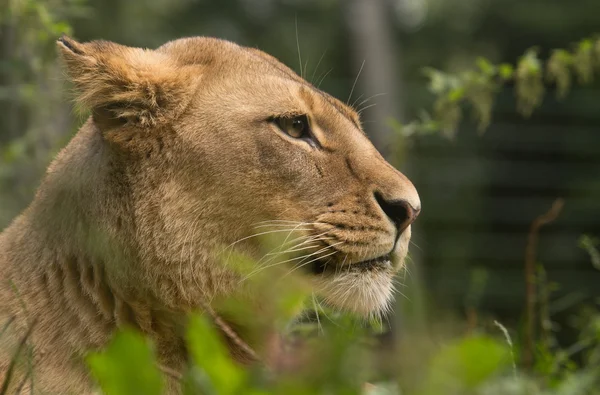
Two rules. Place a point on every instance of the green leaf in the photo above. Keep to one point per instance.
(529, 83)
(485, 66)
(506, 71)
(59, 28)
(586, 44)
(591, 245)
(558, 71)
(127, 366)
(438, 81)
(449, 115)
(211, 358)
(466, 364)
(582, 383)
(584, 61)
(456, 94)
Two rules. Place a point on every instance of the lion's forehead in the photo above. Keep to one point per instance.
(226, 57)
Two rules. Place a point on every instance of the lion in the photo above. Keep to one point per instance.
(188, 147)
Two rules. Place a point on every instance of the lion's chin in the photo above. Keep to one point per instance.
(360, 291)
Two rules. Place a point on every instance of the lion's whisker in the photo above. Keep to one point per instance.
(320, 328)
(367, 99)
(312, 78)
(283, 224)
(312, 260)
(416, 245)
(321, 309)
(273, 257)
(263, 267)
(276, 221)
(323, 77)
(258, 234)
(355, 81)
(298, 248)
(254, 272)
(365, 107)
(308, 239)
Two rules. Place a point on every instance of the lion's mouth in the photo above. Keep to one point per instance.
(380, 263)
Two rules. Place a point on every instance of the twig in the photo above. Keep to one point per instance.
(227, 331)
(5, 327)
(13, 361)
(530, 290)
(230, 333)
(170, 372)
(23, 382)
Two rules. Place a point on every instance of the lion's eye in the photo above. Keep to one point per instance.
(296, 127)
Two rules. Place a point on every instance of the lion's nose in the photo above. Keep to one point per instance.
(400, 211)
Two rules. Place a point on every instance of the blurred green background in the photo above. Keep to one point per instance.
(480, 192)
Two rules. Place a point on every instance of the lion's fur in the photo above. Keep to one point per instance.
(178, 160)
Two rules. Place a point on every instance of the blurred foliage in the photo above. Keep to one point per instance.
(470, 364)
(476, 88)
(34, 121)
(329, 352)
(127, 366)
(591, 245)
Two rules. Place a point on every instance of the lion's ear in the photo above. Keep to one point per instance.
(127, 84)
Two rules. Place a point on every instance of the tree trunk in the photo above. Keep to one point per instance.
(379, 83)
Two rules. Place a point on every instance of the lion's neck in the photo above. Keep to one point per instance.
(71, 255)
(75, 302)
(73, 258)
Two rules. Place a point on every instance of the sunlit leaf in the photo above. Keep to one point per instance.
(506, 71)
(558, 71)
(456, 94)
(529, 83)
(584, 61)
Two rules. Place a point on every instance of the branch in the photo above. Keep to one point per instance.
(530, 291)
(477, 88)
(13, 361)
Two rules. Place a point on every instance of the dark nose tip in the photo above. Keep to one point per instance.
(400, 211)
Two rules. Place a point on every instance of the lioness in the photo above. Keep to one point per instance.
(189, 147)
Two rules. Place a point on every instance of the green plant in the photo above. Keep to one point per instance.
(477, 88)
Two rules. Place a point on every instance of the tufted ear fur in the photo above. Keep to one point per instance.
(128, 85)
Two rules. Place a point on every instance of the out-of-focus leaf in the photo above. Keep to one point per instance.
(506, 71)
(466, 364)
(558, 71)
(60, 28)
(591, 245)
(529, 82)
(214, 365)
(583, 383)
(449, 115)
(597, 53)
(479, 280)
(485, 66)
(510, 386)
(388, 388)
(127, 366)
(584, 61)
(480, 96)
(438, 81)
(456, 94)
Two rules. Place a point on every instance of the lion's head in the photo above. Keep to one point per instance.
(214, 143)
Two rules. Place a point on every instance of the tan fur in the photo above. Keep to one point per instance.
(177, 161)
